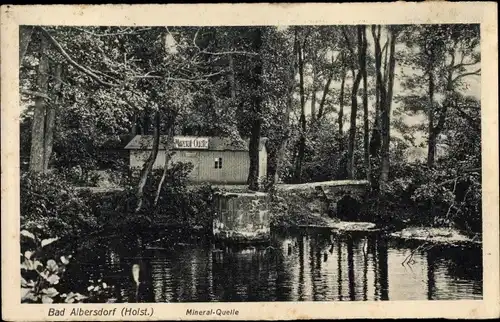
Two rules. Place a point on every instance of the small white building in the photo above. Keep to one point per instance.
(215, 159)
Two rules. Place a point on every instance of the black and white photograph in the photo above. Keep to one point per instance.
(250, 163)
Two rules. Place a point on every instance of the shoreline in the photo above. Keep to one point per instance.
(437, 235)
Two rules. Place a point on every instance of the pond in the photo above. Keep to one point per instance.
(301, 265)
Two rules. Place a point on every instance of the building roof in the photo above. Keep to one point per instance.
(145, 142)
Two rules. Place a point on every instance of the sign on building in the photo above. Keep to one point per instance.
(183, 142)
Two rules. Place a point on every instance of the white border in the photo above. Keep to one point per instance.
(255, 14)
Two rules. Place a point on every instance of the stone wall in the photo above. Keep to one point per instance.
(323, 198)
(245, 216)
(344, 201)
(242, 217)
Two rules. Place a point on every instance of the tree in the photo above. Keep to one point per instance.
(56, 59)
(340, 118)
(366, 128)
(385, 90)
(354, 91)
(280, 68)
(386, 111)
(446, 55)
(25, 33)
(121, 84)
(50, 117)
(38, 153)
(301, 43)
(256, 113)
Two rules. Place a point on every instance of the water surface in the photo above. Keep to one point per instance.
(295, 266)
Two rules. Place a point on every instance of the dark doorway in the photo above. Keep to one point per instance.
(348, 208)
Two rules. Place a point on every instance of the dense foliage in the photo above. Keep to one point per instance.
(50, 206)
(43, 279)
(390, 104)
(179, 205)
(395, 105)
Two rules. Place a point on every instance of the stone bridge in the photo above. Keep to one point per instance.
(245, 216)
(341, 198)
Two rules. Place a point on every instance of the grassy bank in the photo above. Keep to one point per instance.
(51, 206)
(401, 219)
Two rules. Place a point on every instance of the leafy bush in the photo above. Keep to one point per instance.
(468, 207)
(79, 176)
(290, 209)
(327, 163)
(41, 283)
(52, 207)
(178, 204)
(439, 196)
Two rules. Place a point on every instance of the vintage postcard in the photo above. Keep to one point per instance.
(249, 161)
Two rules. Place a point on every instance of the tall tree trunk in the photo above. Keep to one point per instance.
(352, 130)
(146, 124)
(25, 33)
(169, 144)
(51, 118)
(276, 155)
(375, 141)
(354, 108)
(375, 138)
(133, 128)
(366, 137)
(386, 115)
(302, 120)
(38, 127)
(313, 94)
(381, 89)
(323, 97)
(232, 83)
(148, 165)
(300, 158)
(392, 67)
(273, 151)
(431, 152)
(434, 131)
(253, 146)
(340, 120)
(385, 50)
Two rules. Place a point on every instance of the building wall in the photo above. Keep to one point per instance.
(235, 164)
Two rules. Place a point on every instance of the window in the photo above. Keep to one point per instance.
(218, 163)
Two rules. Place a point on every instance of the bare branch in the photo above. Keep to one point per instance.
(465, 64)
(63, 52)
(34, 93)
(215, 74)
(102, 74)
(464, 171)
(475, 123)
(236, 52)
(25, 33)
(133, 32)
(202, 78)
(349, 47)
(462, 58)
(386, 44)
(195, 37)
(476, 72)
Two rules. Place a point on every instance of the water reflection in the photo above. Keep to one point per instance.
(298, 266)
